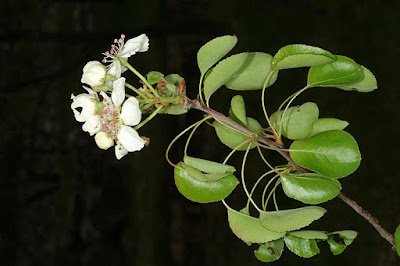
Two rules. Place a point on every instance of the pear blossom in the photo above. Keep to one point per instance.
(94, 73)
(120, 49)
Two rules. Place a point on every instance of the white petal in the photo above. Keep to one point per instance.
(137, 44)
(130, 139)
(131, 114)
(92, 125)
(118, 94)
(115, 69)
(120, 151)
(85, 102)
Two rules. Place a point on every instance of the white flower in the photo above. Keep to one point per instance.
(124, 50)
(87, 103)
(94, 73)
(103, 140)
(115, 121)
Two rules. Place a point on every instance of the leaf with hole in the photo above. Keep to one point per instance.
(270, 251)
(347, 237)
(305, 248)
(326, 124)
(332, 153)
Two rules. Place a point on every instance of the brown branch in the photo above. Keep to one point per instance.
(195, 104)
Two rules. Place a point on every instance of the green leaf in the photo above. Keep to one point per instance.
(209, 166)
(310, 189)
(231, 138)
(309, 234)
(298, 120)
(326, 124)
(340, 72)
(173, 81)
(211, 52)
(154, 76)
(249, 229)
(253, 73)
(270, 251)
(200, 191)
(397, 238)
(222, 72)
(239, 108)
(347, 236)
(366, 83)
(173, 109)
(332, 153)
(289, 220)
(305, 248)
(334, 246)
(300, 55)
(196, 173)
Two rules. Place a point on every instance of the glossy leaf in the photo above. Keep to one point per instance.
(196, 173)
(366, 82)
(326, 124)
(305, 248)
(231, 138)
(290, 220)
(332, 153)
(239, 108)
(200, 191)
(297, 122)
(222, 72)
(270, 251)
(340, 72)
(211, 52)
(154, 76)
(334, 246)
(300, 55)
(208, 166)
(347, 236)
(310, 189)
(253, 73)
(309, 234)
(249, 229)
(397, 238)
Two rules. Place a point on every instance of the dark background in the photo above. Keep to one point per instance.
(63, 201)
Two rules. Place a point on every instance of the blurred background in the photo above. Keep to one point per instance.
(63, 201)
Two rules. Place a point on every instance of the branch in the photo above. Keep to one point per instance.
(195, 104)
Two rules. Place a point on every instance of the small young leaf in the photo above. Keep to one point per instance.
(270, 251)
(231, 138)
(310, 189)
(200, 191)
(305, 248)
(249, 229)
(209, 166)
(211, 52)
(326, 124)
(300, 55)
(239, 108)
(154, 76)
(397, 238)
(332, 153)
(173, 81)
(254, 126)
(309, 234)
(298, 120)
(222, 72)
(289, 220)
(366, 83)
(340, 72)
(348, 237)
(253, 73)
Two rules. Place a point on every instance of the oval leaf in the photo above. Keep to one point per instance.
(200, 191)
(305, 248)
(340, 72)
(332, 153)
(154, 76)
(209, 166)
(253, 73)
(239, 108)
(231, 138)
(397, 238)
(300, 55)
(366, 83)
(222, 73)
(249, 229)
(290, 220)
(270, 251)
(326, 124)
(310, 189)
(309, 234)
(211, 52)
(298, 120)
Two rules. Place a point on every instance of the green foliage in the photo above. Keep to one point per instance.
(397, 238)
(202, 191)
(211, 52)
(309, 234)
(270, 251)
(239, 109)
(310, 188)
(305, 248)
(297, 122)
(326, 124)
(231, 138)
(366, 83)
(209, 166)
(173, 109)
(347, 237)
(154, 76)
(289, 220)
(253, 73)
(300, 55)
(332, 153)
(205, 177)
(173, 81)
(222, 72)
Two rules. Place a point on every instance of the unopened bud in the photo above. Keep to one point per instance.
(103, 141)
(94, 73)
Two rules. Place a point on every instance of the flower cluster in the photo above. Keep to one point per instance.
(111, 119)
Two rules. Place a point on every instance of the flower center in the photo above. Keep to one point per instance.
(111, 55)
(110, 120)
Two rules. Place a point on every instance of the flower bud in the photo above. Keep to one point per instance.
(103, 140)
(94, 73)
